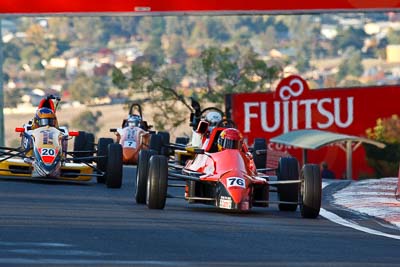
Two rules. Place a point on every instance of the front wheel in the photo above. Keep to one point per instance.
(142, 170)
(311, 191)
(157, 183)
(102, 150)
(288, 169)
(114, 166)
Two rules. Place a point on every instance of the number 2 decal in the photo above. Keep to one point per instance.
(236, 181)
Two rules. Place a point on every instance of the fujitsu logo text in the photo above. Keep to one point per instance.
(289, 112)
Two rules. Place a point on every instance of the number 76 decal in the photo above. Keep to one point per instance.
(236, 181)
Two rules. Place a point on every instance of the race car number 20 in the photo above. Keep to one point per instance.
(236, 181)
(48, 152)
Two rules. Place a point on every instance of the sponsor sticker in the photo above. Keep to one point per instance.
(225, 202)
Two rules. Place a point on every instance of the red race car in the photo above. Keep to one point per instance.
(223, 173)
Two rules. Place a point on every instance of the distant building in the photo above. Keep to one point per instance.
(393, 53)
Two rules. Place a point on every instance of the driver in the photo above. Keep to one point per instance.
(230, 138)
(44, 117)
(213, 118)
(134, 120)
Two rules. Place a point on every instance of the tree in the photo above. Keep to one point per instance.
(227, 70)
(87, 121)
(350, 37)
(161, 88)
(351, 65)
(12, 98)
(85, 88)
(219, 71)
(393, 37)
(44, 47)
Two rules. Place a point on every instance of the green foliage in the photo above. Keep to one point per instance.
(219, 71)
(85, 88)
(394, 37)
(119, 79)
(386, 130)
(385, 161)
(350, 37)
(228, 70)
(12, 98)
(351, 65)
(87, 121)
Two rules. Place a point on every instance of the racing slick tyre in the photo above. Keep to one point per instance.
(260, 160)
(288, 169)
(165, 138)
(157, 183)
(79, 145)
(114, 166)
(102, 150)
(142, 175)
(156, 143)
(182, 140)
(89, 145)
(310, 191)
(79, 141)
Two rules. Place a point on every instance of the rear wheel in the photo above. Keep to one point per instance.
(114, 166)
(89, 146)
(182, 140)
(157, 183)
(260, 160)
(310, 191)
(155, 143)
(288, 169)
(79, 144)
(165, 139)
(102, 150)
(142, 174)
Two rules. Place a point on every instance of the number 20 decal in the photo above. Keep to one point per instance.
(236, 181)
(48, 152)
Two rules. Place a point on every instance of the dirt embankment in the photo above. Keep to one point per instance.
(112, 116)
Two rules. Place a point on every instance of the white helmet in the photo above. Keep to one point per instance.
(213, 118)
(134, 120)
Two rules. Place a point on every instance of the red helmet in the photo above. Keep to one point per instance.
(230, 138)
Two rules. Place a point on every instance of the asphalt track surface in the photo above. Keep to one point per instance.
(65, 224)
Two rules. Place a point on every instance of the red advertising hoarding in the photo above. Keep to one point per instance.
(293, 106)
(159, 6)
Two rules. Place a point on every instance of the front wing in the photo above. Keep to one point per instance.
(15, 167)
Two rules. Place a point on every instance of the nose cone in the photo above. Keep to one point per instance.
(238, 194)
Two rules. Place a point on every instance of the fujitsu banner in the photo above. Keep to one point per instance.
(293, 106)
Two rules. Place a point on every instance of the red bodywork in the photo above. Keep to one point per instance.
(234, 169)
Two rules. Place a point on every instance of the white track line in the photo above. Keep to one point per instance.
(339, 220)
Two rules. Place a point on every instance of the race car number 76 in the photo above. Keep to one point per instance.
(236, 181)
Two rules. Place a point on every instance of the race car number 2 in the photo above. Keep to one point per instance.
(236, 181)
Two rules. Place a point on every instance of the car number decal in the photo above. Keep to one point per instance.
(131, 143)
(48, 154)
(236, 181)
